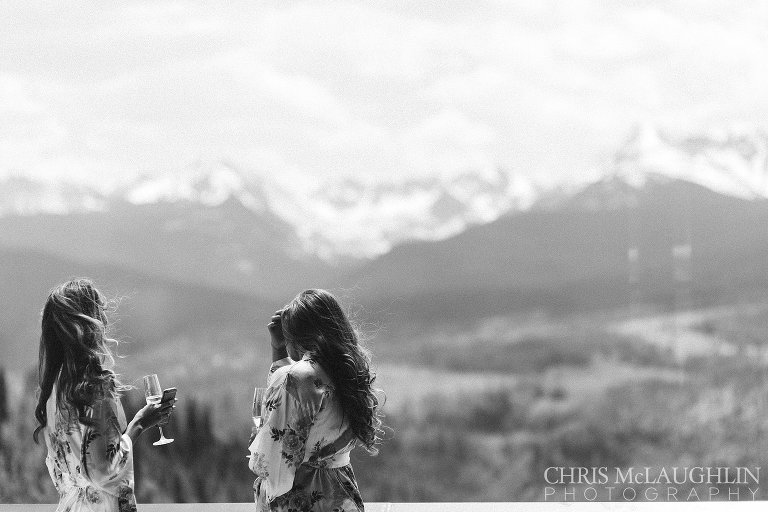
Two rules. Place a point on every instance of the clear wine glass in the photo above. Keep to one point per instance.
(258, 407)
(257, 411)
(154, 394)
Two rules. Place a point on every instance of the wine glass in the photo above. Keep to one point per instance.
(154, 394)
(256, 412)
(258, 407)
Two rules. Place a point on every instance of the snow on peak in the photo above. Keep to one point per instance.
(365, 219)
(22, 195)
(729, 162)
(207, 182)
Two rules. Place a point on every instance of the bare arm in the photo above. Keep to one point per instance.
(279, 353)
(149, 416)
(277, 340)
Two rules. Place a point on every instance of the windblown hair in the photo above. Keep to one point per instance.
(316, 324)
(74, 353)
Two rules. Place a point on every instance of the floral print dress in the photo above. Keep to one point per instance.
(301, 453)
(91, 465)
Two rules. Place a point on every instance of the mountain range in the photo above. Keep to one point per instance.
(666, 214)
(339, 220)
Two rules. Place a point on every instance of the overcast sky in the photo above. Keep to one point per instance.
(377, 88)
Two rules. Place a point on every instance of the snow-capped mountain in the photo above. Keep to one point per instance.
(733, 163)
(351, 218)
(339, 219)
(20, 195)
(335, 220)
(206, 183)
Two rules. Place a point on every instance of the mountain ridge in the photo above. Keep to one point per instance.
(342, 220)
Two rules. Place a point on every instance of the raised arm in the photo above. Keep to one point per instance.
(277, 340)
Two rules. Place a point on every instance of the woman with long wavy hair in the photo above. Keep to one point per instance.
(90, 446)
(320, 403)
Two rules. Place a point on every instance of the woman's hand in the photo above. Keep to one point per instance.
(275, 327)
(277, 339)
(149, 416)
(254, 431)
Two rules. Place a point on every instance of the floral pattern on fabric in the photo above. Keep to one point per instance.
(260, 466)
(298, 500)
(293, 442)
(301, 454)
(126, 500)
(91, 465)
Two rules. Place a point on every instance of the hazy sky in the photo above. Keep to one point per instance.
(376, 88)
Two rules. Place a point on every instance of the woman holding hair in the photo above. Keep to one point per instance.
(90, 447)
(319, 405)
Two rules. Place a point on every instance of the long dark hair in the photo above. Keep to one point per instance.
(74, 350)
(315, 322)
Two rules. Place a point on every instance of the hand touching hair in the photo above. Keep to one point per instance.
(315, 323)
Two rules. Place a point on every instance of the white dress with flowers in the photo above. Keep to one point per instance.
(301, 454)
(91, 465)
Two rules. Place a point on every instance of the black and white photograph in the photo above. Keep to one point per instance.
(394, 256)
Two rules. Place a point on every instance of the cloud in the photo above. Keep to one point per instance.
(381, 89)
(15, 97)
(448, 142)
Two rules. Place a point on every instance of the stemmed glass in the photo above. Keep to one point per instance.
(257, 411)
(258, 407)
(154, 394)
